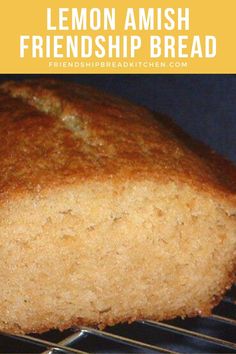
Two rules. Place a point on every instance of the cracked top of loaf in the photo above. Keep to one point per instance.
(55, 133)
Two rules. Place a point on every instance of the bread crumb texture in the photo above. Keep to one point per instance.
(108, 213)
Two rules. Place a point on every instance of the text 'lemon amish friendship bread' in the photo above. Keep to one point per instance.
(107, 212)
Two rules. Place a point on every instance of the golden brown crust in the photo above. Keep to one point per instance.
(85, 134)
(223, 168)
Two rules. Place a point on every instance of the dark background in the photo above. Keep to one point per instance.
(204, 105)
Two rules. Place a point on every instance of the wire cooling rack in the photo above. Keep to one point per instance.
(214, 334)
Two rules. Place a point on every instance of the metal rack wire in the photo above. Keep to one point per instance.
(214, 334)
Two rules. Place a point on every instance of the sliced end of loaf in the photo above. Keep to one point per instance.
(101, 253)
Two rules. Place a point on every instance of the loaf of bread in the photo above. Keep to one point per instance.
(108, 212)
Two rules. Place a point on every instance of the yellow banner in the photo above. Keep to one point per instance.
(102, 36)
